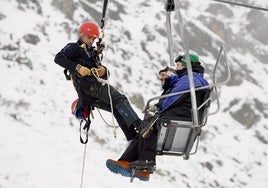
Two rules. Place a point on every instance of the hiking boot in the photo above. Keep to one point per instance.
(143, 169)
(119, 167)
(147, 165)
(123, 167)
(143, 176)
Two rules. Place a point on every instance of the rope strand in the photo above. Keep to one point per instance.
(103, 82)
(83, 166)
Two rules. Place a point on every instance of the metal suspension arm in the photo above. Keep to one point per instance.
(188, 65)
(170, 6)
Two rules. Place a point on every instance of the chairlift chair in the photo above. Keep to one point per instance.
(176, 136)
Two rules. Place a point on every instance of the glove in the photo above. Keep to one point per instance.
(152, 108)
(151, 111)
(83, 71)
(101, 70)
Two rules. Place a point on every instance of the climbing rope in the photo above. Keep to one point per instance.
(83, 166)
(111, 104)
(84, 128)
(96, 75)
(103, 82)
(105, 5)
(103, 119)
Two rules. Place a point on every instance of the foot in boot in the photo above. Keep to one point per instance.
(143, 169)
(143, 165)
(143, 176)
(119, 167)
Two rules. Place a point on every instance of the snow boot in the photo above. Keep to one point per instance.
(119, 167)
(143, 176)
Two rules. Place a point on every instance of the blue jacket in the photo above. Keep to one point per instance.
(179, 83)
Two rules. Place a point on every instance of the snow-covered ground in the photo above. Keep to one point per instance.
(39, 138)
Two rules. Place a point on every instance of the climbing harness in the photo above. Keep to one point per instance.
(84, 130)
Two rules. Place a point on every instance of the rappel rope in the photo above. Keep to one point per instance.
(84, 129)
(103, 119)
(103, 82)
(105, 4)
(83, 166)
(99, 79)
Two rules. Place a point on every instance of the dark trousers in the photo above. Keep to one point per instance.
(141, 149)
(93, 93)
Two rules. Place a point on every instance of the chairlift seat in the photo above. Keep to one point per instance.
(177, 136)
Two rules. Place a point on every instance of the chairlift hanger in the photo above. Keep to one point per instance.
(188, 63)
(178, 138)
(242, 5)
(170, 6)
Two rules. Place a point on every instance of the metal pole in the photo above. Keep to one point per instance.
(169, 34)
(188, 65)
(170, 6)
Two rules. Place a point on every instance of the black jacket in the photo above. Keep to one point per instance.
(77, 53)
(181, 108)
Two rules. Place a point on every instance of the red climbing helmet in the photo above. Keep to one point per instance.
(89, 29)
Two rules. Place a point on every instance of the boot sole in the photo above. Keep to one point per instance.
(117, 169)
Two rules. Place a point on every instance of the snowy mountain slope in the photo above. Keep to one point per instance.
(39, 148)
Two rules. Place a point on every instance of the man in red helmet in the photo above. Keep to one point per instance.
(81, 59)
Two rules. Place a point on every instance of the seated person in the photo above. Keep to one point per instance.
(143, 148)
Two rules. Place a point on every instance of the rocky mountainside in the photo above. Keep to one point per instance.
(39, 142)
